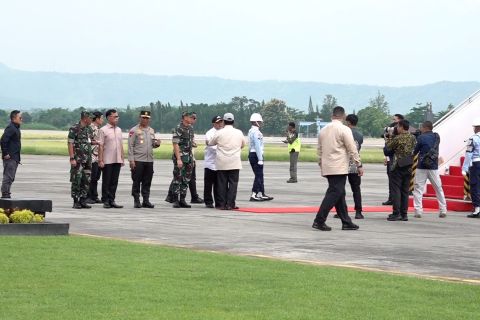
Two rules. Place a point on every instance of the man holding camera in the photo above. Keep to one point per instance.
(390, 132)
(402, 146)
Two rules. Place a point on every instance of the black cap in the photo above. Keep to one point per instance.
(216, 119)
(145, 113)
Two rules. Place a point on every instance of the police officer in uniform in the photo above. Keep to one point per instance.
(471, 165)
(182, 157)
(80, 150)
(141, 141)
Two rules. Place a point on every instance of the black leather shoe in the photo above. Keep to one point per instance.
(90, 201)
(336, 216)
(148, 204)
(474, 215)
(359, 215)
(321, 227)
(107, 205)
(84, 204)
(209, 205)
(136, 203)
(176, 204)
(184, 204)
(98, 201)
(116, 206)
(197, 200)
(387, 203)
(76, 205)
(350, 226)
(169, 199)
(395, 217)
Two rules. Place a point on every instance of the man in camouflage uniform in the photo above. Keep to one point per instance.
(97, 122)
(80, 150)
(141, 141)
(402, 145)
(182, 159)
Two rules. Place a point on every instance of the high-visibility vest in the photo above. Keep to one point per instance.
(295, 145)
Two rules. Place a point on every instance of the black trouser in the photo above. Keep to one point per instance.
(334, 197)
(227, 183)
(9, 170)
(209, 183)
(192, 185)
(389, 175)
(400, 188)
(142, 179)
(258, 185)
(474, 174)
(111, 172)
(355, 180)
(94, 177)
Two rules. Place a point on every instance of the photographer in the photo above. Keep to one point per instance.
(390, 132)
(402, 145)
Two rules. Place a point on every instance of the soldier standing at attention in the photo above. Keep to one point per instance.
(97, 122)
(80, 151)
(255, 157)
(192, 185)
(471, 164)
(182, 157)
(141, 141)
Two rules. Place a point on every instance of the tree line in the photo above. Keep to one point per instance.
(276, 114)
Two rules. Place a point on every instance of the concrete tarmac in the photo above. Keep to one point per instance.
(429, 246)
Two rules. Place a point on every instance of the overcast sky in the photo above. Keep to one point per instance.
(389, 42)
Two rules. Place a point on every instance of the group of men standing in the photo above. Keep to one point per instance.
(97, 151)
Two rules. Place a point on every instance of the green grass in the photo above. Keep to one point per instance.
(85, 278)
(52, 146)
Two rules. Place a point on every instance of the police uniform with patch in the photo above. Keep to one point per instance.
(183, 137)
(471, 164)
(141, 142)
(80, 136)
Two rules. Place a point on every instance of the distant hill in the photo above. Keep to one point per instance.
(29, 90)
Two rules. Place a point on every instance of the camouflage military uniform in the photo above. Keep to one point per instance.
(81, 137)
(402, 145)
(183, 136)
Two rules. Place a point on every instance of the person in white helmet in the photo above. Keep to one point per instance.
(255, 156)
(471, 164)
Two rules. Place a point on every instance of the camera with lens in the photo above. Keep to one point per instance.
(390, 131)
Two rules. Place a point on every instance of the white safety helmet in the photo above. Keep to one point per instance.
(256, 117)
(476, 122)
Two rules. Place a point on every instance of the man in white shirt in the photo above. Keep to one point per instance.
(210, 174)
(229, 142)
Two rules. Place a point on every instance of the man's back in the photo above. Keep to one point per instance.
(229, 143)
(335, 145)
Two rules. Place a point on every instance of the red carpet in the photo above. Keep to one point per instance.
(384, 209)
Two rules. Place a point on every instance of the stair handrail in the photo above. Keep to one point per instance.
(459, 107)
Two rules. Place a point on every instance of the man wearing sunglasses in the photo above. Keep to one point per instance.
(141, 141)
(11, 146)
